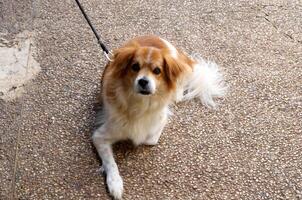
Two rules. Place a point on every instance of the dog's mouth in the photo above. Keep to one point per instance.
(144, 92)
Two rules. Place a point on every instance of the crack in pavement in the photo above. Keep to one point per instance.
(266, 18)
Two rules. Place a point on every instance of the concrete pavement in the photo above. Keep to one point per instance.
(249, 148)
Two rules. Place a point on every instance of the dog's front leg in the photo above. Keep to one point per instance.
(103, 146)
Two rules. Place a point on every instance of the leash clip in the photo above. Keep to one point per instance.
(109, 56)
(107, 53)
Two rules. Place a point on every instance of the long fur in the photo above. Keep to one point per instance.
(128, 114)
(205, 82)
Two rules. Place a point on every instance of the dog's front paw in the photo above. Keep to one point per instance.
(115, 185)
(151, 141)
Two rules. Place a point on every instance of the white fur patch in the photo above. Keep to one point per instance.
(206, 82)
(173, 50)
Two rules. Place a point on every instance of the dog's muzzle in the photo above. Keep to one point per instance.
(144, 86)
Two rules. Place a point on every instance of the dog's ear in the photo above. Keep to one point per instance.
(121, 59)
(173, 70)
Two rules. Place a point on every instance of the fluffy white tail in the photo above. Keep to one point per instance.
(205, 82)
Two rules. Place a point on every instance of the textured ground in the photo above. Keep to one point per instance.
(250, 148)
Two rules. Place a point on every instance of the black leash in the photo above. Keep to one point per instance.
(103, 46)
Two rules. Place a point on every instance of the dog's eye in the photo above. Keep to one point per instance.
(135, 67)
(156, 70)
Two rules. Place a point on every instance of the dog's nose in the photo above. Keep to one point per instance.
(143, 83)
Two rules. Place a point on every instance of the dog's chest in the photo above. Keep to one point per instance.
(139, 128)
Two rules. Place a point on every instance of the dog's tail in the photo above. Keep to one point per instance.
(205, 82)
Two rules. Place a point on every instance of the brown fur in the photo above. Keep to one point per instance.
(118, 76)
(146, 75)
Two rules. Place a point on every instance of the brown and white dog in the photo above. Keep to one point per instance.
(146, 76)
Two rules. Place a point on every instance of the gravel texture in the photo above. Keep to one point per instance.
(249, 148)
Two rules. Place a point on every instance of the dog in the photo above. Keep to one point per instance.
(146, 76)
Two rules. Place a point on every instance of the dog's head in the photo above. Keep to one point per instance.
(146, 70)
